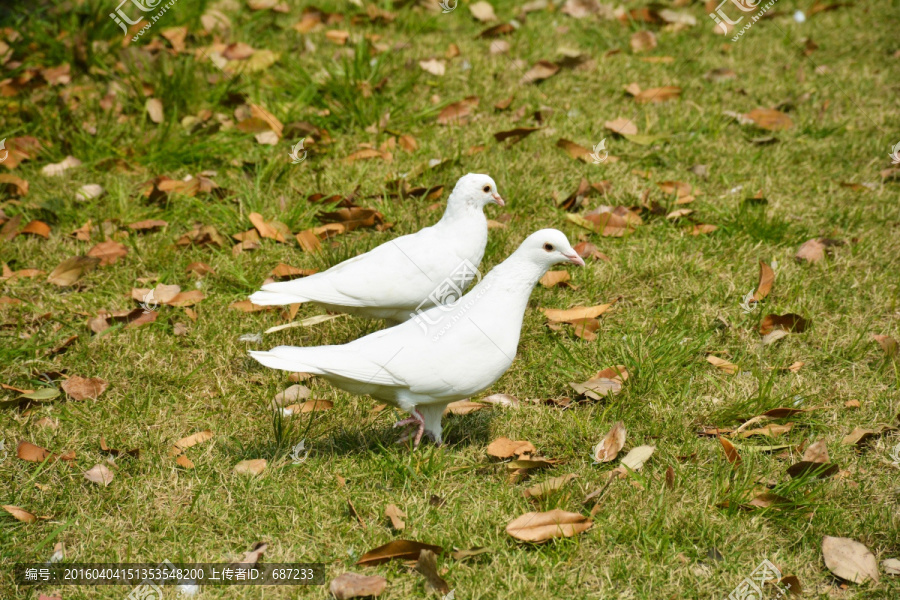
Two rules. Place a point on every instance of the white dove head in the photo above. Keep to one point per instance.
(549, 247)
(475, 190)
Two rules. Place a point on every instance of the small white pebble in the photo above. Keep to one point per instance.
(800, 16)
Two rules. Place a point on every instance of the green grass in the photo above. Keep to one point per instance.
(648, 541)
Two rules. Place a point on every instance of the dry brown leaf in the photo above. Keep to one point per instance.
(554, 278)
(542, 69)
(184, 462)
(354, 585)
(811, 251)
(643, 40)
(605, 382)
(57, 169)
(434, 66)
(817, 452)
(772, 430)
(731, 452)
(402, 549)
(32, 453)
(99, 474)
(887, 343)
(769, 119)
(462, 407)
(70, 270)
(37, 228)
(501, 400)
(79, 388)
(609, 446)
(272, 230)
(20, 513)
(549, 486)
(192, 440)
(621, 126)
(17, 185)
(427, 566)
(108, 252)
(458, 112)
(392, 512)
(504, 447)
(251, 467)
(788, 322)
(154, 108)
(482, 11)
(849, 559)
(766, 279)
(148, 225)
(722, 364)
(575, 313)
(576, 151)
(538, 527)
(660, 94)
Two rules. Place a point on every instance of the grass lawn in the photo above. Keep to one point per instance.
(193, 124)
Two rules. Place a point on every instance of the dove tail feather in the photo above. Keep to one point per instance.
(284, 358)
(276, 299)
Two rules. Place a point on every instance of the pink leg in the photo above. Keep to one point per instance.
(415, 422)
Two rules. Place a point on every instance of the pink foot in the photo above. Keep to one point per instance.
(415, 423)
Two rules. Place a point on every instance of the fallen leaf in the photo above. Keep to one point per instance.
(108, 252)
(18, 185)
(891, 566)
(766, 279)
(501, 400)
(820, 470)
(464, 554)
(427, 566)
(354, 585)
(392, 512)
(642, 40)
(148, 225)
(722, 364)
(458, 112)
(482, 11)
(99, 474)
(402, 549)
(462, 407)
(154, 108)
(772, 430)
(861, 435)
(848, 559)
(542, 69)
(37, 228)
(605, 382)
(192, 440)
(20, 513)
(549, 486)
(538, 527)
(504, 447)
(79, 388)
(769, 119)
(89, 192)
(273, 230)
(250, 467)
(184, 462)
(56, 169)
(434, 66)
(660, 94)
(575, 313)
(731, 452)
(817, 452)
(887, 343)
(811, 251)
(70, 270)
(636, 457)
(609, 447)
(554, 278)
(621, 126)
(517, 134)
(788, 322)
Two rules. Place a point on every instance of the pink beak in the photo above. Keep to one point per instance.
(498, 200)
(575, 259)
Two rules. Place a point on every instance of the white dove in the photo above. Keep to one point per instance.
(397, 278)
(446, 353)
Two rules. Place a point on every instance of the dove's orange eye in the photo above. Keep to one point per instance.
(548, 247)
(487, 189)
